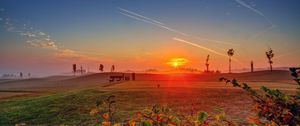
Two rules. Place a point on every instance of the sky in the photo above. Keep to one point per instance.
(45, 37)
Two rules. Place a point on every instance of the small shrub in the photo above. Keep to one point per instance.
(158, 116)
(274, 107)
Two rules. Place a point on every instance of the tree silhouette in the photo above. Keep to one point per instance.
(74, 69)
(101, 67)
(112, 68)
(21, 75)
(270, 55)
(230, 53)
(207, 64)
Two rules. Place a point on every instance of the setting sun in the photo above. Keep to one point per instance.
(177, 62)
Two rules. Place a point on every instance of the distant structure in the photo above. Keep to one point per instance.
(80, 71)
(74, 68)
(122, 77)
(112, 68)
(28, 75)
(207, 64)
(230, 53)
(21, 75)
(9, 76)
(133, 76)
(101, 68)
(251, 66)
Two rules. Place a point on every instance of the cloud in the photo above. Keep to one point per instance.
(177, 62)
(41, 44)
(28, 34)
(39, 39)
(42, 33)
(34, 38)
(72, 55)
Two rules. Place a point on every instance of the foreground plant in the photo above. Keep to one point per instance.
(158, 116)
(104, 113)
(164, 116)
(274, 107)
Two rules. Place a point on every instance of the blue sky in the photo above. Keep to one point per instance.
(96, 31)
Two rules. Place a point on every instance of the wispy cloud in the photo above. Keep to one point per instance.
(39, 39)
(37, 43)
(34, 38)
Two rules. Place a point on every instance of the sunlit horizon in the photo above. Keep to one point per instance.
(47, 37)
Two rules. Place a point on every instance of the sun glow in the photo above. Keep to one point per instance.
(177, 62)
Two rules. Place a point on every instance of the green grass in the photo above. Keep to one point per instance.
(70, 108)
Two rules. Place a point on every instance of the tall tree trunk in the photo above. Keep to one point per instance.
(206, 68)
(271, 67)
(229, 64)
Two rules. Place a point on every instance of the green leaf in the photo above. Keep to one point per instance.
(144, 123)
(202, 117)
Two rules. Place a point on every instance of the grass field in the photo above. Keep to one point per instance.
(70, 104)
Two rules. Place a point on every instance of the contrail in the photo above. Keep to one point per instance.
(199, 46)
(264, 31)
(254, 10)
(259, 13)
(207, 49)
(141, 16)
(153, 23)
(285, 54)
(215, 41)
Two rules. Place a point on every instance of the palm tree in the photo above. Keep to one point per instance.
(270, 55)
(230, 53)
